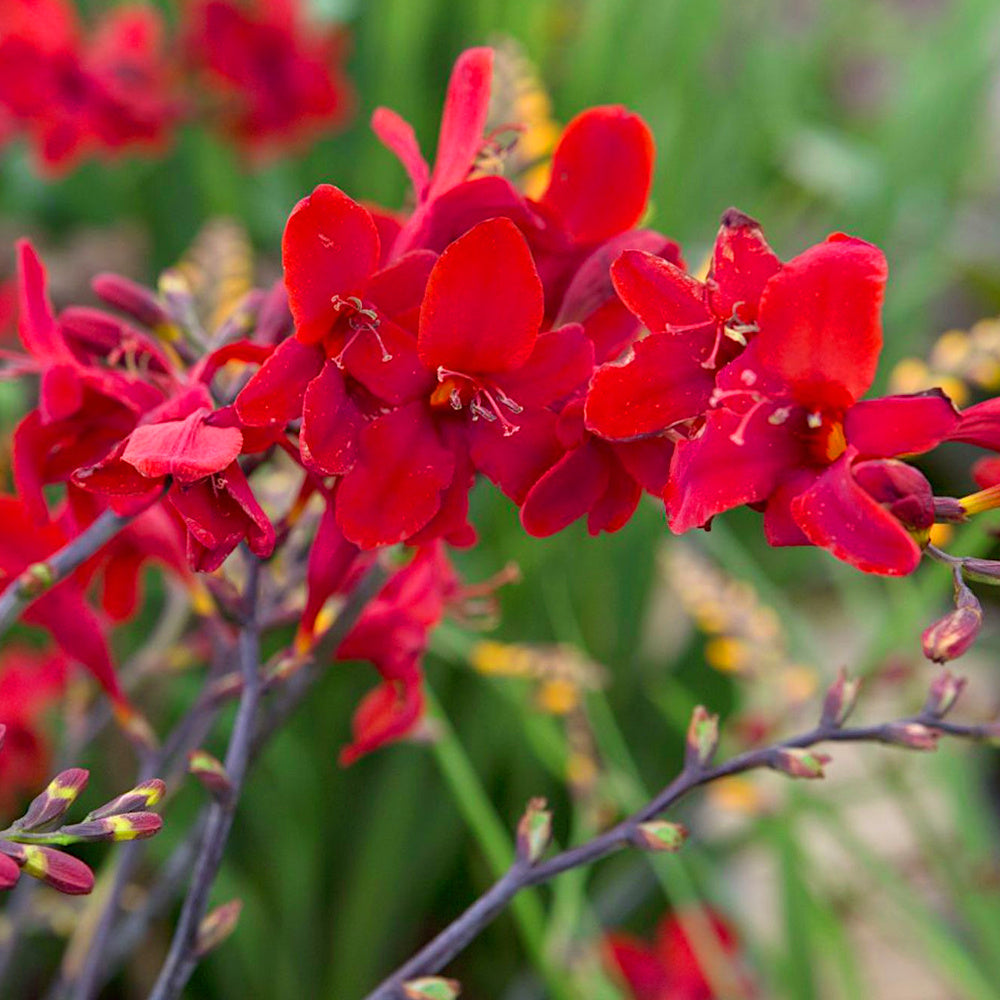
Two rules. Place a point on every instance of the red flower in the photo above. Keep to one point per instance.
(30, 682)
(75, 94)
(600, 479)
(495, 375)
(668, 969)
(278, 76)
(784, 425)
(694, 329)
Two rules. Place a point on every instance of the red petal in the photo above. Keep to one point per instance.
(838, 515)
(980, 425)
(274, 394)
(403, 464)
(515, 463)
(742, 263)
(602, 170)
(573, 486)
(900, 425)
(561, 363)
(463, 120)
(39, 332)
(780, 527)
(660, 384)
(820, 322)
(186, 449)
(618, 503)
(659, 293)
(483, 304)
(331, 557)
(647, 461)
(713, 473)
(646, 975)
(397, 290)
(398, 136)
(9, 872)
(385, 714)
(331, 424)
(330, 248)
(390, 371)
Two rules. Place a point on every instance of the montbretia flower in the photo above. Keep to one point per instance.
(669, 968)
(277, 77)
(353, 350)
(695, 328)
(493, 375)
(785, 425)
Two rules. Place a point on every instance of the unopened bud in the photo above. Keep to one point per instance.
(840, 700)
(660, 835)
(981, 570)
(35, 580)
(217, 926)
(10, 872)
(534, 831)
(949, 510)
(984, 500)
(138, 799)
(60, 794)
(798, 763)
(913, 735)
(943, 694)
(132, 298)
(432, 988)
(702, 738)
(61, 871)
(135, 726)
(951, 636)
(210, 772)
(127, 826)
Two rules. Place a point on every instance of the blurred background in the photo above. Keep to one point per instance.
(877, 117)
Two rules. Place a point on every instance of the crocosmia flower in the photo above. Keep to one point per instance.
(276, 75)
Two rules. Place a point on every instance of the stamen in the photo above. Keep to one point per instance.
(814, 420)
(780, 415)
(712, 360)
(737, 436)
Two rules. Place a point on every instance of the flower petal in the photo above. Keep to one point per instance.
(742, 263)
(186, 449)
(483, 304)
(573, 486)
(820, 322)
(274, 394)
(980, 425)
(714, 473)
(661, 295)
(397, 135)
(561, 363)
(660, 384)
(463, 120)
(330, 248)
(602, 170)
(901, 425)
(836, 514)
(402, 463)
(331, 424)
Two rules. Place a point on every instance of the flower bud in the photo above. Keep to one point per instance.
(432, 988)
(660, 835)
(10, 872)
(840, 700)
(913, 735)
(943, 694)
(128, 826)
(132, 298)
(949, 510)
(534, 831)
(216, 926)
(798, 763)
(951, 636)
(702, 738)
(60, 794)
(211, 773)
(61, 871)
(138, 799)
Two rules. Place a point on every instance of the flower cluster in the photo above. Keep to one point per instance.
(32, 843)
(548, 344)
(118, 85)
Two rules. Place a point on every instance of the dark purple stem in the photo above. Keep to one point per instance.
(454, 938)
